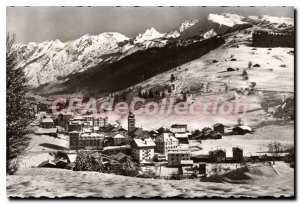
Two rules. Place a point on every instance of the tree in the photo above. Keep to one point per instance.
(140, 95)
(172, 77)
(18, 115)
(207, 86)
(226, 88)
(83, 162)
(184, 96)
(240, 121)
(275, 148)
(245, 75)
(249, 64)
(151, 95)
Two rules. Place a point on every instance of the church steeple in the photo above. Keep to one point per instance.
(131, 122)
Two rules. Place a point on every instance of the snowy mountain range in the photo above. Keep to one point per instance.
(50, 61)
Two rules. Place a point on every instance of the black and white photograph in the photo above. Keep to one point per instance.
(150, 102)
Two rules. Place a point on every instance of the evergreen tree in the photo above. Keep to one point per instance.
(82, 162)
(184, 96)
(140, 95)
(123, 96)
(172, 77)
(245, 75)
(151, 95)
(18, 116)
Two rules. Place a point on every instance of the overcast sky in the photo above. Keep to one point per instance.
(37, 24)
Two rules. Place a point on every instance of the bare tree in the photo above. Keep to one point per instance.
(275, 148)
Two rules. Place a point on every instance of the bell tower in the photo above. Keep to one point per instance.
(131, 122)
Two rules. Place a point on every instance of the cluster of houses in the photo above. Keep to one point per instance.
(92, 132)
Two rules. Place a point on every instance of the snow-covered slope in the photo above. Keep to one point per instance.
(215, 24)
(49, 60)
(182, 27)
(150, 34)
(271, 22)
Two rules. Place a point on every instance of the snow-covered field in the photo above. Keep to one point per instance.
(274, 79)
(63, 183)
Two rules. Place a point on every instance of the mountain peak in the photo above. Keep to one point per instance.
(226, 19)
(149, 34)
(180, 28)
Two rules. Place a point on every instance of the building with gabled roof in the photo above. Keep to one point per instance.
(47, 123)
(165, 142)
(179, 128)
(217, 156)
(175, 156)
(118, 140)
(142, 149)
(219, 127)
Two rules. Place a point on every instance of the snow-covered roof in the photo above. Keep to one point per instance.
(182, 135)
(144, 142)
(244, 127)
(41, 131)
(118, 136)
(72, 157)
(179, 151)
(47, 120)
(93, 134)
(186, 162)
(79, 117)
(116, 147)
(166, 137)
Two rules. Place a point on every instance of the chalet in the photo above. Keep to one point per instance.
(182, 137)
(237, 154)
(241, 130)
(79, 118)
(160, 157)
(47, 123)
(47, 131)
(75, 125)
(142, 149)
(108, 129)
(176, 156)
(63, 118)
(56, 163)
(207, 130)
(200, 158)
(120, 157)
(41, 107)
(163, 129)
(165, 142)
(179, 128)
(99, 121)
(122, 131)
(215, 136)
(217, 156)
(119, 140)
(136, 133)
(218, 127)
(185, 169)
(153, 134)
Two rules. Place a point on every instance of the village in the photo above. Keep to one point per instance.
(168, 152)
